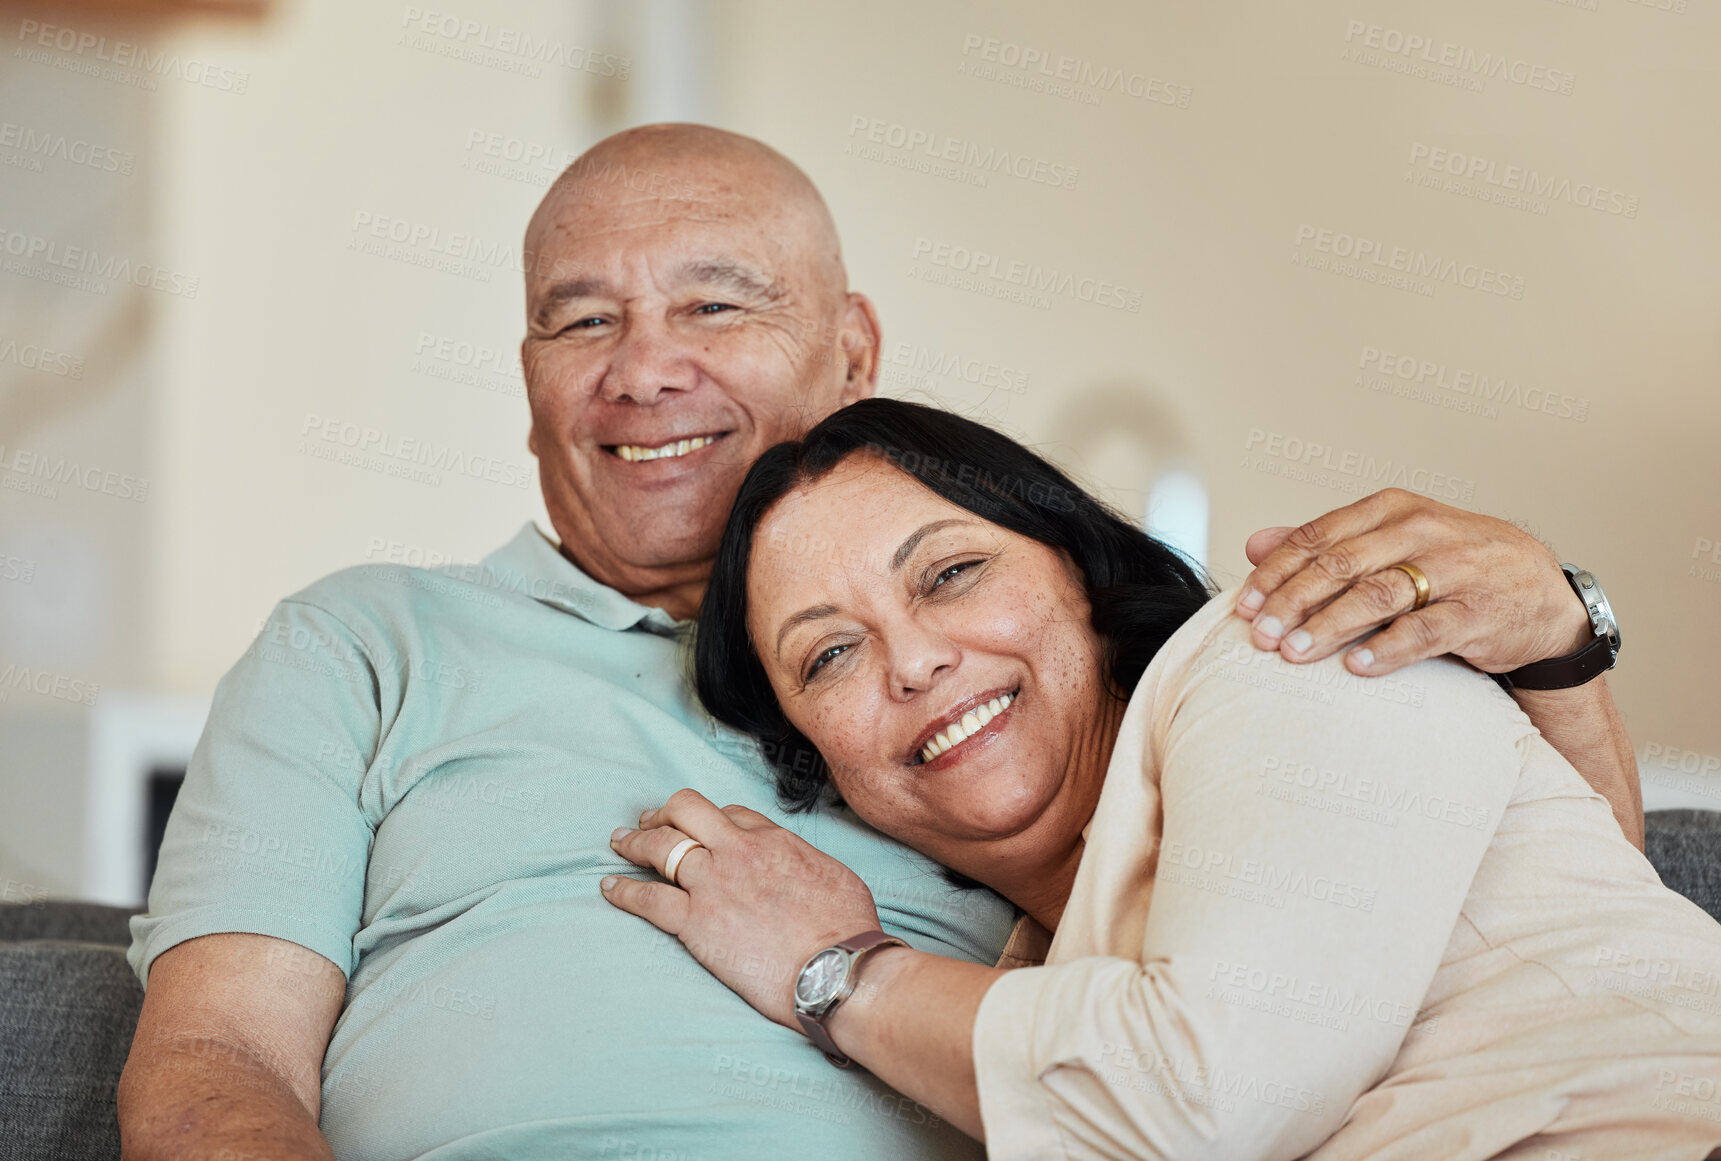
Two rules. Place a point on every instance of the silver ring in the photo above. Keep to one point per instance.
(673, 863)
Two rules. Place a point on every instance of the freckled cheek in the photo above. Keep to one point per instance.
(840, 736)
(1063, 654)
(1025, 628)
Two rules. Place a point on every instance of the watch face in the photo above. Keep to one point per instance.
(821, 978)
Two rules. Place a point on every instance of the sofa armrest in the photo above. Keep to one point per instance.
(79, 922)
(1685, 848)
(67, 1014)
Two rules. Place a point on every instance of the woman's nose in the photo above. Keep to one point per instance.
(919, 659)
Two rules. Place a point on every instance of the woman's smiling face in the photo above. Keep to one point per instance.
(886, 618)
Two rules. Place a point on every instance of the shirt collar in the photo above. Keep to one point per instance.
(1028, 945)
(532, 565)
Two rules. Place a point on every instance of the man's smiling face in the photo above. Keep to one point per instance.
(671, 338)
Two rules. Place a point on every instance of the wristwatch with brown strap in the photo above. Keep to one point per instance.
(826, 980)
(1590, 661)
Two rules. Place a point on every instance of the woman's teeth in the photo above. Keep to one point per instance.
(972, 723)
(633, 453)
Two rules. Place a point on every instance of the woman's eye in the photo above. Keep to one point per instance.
(953, 571)
(712, 307)
(830, 654)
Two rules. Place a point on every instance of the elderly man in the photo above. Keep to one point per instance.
(377, 904)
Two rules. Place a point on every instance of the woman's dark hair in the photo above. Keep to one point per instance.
(1140, 590)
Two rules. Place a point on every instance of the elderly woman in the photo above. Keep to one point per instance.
(1276, 911)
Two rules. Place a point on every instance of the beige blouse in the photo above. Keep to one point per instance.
(1327, 916)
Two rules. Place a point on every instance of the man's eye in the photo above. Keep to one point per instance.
(584, 324)
(713, 307)
(830, 654)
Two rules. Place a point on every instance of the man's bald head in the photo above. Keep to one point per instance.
(704, 171)
(686, 308)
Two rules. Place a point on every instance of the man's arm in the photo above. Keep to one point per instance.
(1585, 727)
(1499, 601)
(228, 1055)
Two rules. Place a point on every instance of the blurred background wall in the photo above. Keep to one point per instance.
(1233, 263)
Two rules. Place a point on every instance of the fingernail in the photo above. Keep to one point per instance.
(1299, 641)
(1363, 657)
(1250, 602)
(1269, 627)
(606, 883)
(618, 834)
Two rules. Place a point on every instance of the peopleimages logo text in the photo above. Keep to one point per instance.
(988, 159)
(1396, 42)
(427, 454)
(1472, 167)
(73, 151)
(516, 42)
(981, 264)
(1375, 472)
(32, 248)
(128, 54)
(1415, 263)
(1075, 71)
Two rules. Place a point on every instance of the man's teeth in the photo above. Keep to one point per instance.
(972, 723)
(633, 453)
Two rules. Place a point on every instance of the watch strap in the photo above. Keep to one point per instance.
(867, 941)
(822, 1040)
(1566, 672)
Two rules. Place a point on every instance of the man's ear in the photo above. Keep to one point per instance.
(861, 342)
(526, 375)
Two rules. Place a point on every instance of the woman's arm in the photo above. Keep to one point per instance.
(1319, 834)
(1500, 601)
(910, 1023)
(757, 901)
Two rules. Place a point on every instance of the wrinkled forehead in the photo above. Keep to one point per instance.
(622, 211)
(656, 239)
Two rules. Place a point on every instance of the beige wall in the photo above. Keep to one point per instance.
(1197, 192)
(1194, 211)
(1199, 209)
(307, 316)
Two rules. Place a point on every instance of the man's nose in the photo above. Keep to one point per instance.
(646, 363)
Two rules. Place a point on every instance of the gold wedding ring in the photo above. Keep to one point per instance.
(672, 864)
(1419, 579)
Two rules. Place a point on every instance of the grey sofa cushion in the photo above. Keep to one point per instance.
(82, 922)
(69, 1001)
(1685, 848)
(67, 1012)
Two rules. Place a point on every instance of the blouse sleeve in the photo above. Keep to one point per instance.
(1319, 835)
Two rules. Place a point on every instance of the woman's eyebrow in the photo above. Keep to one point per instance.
(815, 613)
(903, 551)
(914, 538)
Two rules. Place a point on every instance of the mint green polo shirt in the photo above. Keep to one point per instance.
(415, 774)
